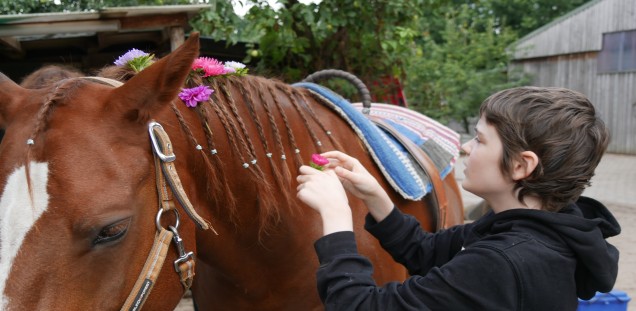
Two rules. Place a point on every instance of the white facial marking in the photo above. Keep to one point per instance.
(17, 215)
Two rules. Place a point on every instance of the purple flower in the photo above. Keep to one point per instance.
(193, 96)
(129, 56)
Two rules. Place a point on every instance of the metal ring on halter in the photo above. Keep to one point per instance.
(155, 144)
(158, 219)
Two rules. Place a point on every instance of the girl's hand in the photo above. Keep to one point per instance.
(323, 192)
(359, 182)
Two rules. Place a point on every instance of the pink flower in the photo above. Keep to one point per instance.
(209, 66)
(318, 161)
(193, 96)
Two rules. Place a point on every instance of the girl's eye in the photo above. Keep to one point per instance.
(112, 232)
(477, 139)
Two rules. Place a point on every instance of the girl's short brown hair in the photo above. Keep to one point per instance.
(561, 127)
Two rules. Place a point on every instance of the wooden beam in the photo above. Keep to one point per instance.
(154, 22)
(12, 42)
(177, 37)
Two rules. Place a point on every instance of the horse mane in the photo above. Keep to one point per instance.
(49, 75)
(230, 91)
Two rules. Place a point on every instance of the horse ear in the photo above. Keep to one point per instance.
(158, 84)
(10, 92)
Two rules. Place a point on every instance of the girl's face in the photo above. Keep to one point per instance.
(482, 173)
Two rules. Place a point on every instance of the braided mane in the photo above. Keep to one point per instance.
(223, 107)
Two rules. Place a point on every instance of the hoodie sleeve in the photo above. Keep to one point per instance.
(402, 236)
(471, 281)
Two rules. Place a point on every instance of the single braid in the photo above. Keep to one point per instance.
(272, 122)
(183, 124)
(294, 102)
(217, 166)
(247, 143)
(313, 115)
(219, 108)
(266, 196)
(290, 135)
(249, 100)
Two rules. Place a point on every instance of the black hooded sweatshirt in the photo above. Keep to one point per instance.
(518, 259)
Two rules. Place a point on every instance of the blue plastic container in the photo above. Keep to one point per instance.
(615, 300)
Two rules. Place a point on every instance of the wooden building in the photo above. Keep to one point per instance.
(91, 40)
(591, 50)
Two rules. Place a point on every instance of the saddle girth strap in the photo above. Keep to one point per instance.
(438, 192)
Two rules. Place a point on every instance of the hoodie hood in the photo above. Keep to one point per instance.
(582, 227)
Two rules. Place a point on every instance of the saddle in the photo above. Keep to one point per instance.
(414, 152)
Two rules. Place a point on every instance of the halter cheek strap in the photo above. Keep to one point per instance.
(167, 181)
(150, 272)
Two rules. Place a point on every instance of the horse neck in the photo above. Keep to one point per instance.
(221, 160)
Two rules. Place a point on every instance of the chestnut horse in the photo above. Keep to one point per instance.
(79, 202)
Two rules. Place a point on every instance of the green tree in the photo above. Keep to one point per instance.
(468, 62)
(371, 39)
(449, 54)
(524, 16)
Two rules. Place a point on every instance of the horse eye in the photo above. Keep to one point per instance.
(112, 232)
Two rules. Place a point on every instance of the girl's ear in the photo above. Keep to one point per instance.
(526, 164)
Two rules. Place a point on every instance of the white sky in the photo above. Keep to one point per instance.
(241, 10)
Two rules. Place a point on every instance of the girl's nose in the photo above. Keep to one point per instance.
(467, 146)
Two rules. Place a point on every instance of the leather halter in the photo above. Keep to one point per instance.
(167, 181)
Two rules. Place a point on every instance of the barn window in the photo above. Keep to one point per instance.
(618, 53)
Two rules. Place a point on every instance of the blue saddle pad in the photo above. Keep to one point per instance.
(394, 161)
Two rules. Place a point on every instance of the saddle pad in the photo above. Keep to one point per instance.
(440, 143)
(396, 164)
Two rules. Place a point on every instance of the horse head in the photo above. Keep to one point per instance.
(78, 190)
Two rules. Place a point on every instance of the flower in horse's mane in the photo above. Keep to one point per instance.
(207, 66)
(193, 96)
(236, 68)
(136, 59)
(318, 162)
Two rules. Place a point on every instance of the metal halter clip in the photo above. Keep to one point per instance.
(178, 242)
(176, 221)
(155, 143)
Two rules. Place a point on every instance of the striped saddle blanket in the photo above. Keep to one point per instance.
(440, 143)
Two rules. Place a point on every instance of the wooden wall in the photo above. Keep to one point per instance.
(564, 53)
(578, 31)
(614, 95)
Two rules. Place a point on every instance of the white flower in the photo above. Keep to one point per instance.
(234, 65)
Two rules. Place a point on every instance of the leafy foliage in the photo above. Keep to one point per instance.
(524, 16)
(452, 77)
(369, 38)
(449, 54)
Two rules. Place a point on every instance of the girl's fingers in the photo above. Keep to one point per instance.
(308, 170)
(337, 158)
